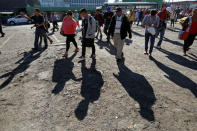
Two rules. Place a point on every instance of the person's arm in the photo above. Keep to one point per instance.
(128, 25)
(144, 22)
(26, 17)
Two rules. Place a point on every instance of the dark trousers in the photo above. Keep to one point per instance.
(1, 31)
(162, 33)
(40, 32)
(139, 20)
(88, 42)
(189, 41)
(172, 22)
(70, 38)
(55, 25)
(106, 29)
(152, 42)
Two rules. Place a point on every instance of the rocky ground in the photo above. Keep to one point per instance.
(45, 92)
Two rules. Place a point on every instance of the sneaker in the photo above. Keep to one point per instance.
(145, 53)
(65, 54)
(158, 47)
(93, 56)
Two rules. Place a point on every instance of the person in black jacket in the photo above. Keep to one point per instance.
(118, 29)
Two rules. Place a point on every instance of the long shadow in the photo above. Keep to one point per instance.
(177, 77)
(62, 73)
(92, 82)
(108, 47)
(173, 30)
(138, 34)
(139, 89)
(173, 42)
(180, 60)
(28, 58)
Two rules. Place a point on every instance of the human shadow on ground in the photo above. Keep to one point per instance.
(173, 30)
(62, 73)
(138, 34)
(180, 59)
(177, 77)
(108, 46)
(92, 82)
(139, 89)
(173, 42)
(27, 59)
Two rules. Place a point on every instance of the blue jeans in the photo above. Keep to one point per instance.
(38, 33)
(162, 32)
(152, 42)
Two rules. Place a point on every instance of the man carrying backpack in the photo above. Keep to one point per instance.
(164, 16)
(118, 29)
(88, 31)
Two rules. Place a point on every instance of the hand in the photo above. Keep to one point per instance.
(154, 26)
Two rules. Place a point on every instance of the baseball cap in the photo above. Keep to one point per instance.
(118, 9)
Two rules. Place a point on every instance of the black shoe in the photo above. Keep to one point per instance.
(35, 49)
(93, 56)
(45, 47)
(118, 60)
(3, 34)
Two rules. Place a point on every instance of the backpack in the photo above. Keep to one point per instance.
(90, 20)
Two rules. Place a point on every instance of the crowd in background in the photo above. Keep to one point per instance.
(114, 25)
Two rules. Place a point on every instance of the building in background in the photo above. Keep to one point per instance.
(160, 2)
(184, 4)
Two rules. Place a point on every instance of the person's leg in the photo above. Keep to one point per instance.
(105, 29)
(45, 38)
(100, 32)
(68, 40)
(93, 47)
(161, 37)
(84, 47)
(53, 26)
(120, 48)
(72, 39)
(188, 42)
(40, 43)
(173, 22)
(115, 40)
(152, 41)
(51, 41)
(147, 35)
(37, 35)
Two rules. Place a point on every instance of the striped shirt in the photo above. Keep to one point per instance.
(150, 21)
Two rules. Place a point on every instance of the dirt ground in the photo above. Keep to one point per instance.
(45, 92)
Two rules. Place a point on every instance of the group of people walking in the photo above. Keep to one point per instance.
(116, 25)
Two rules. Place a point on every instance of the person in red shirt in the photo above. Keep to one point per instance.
(164, 16)
(99, 18)
(192, 32)
(68, 29)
